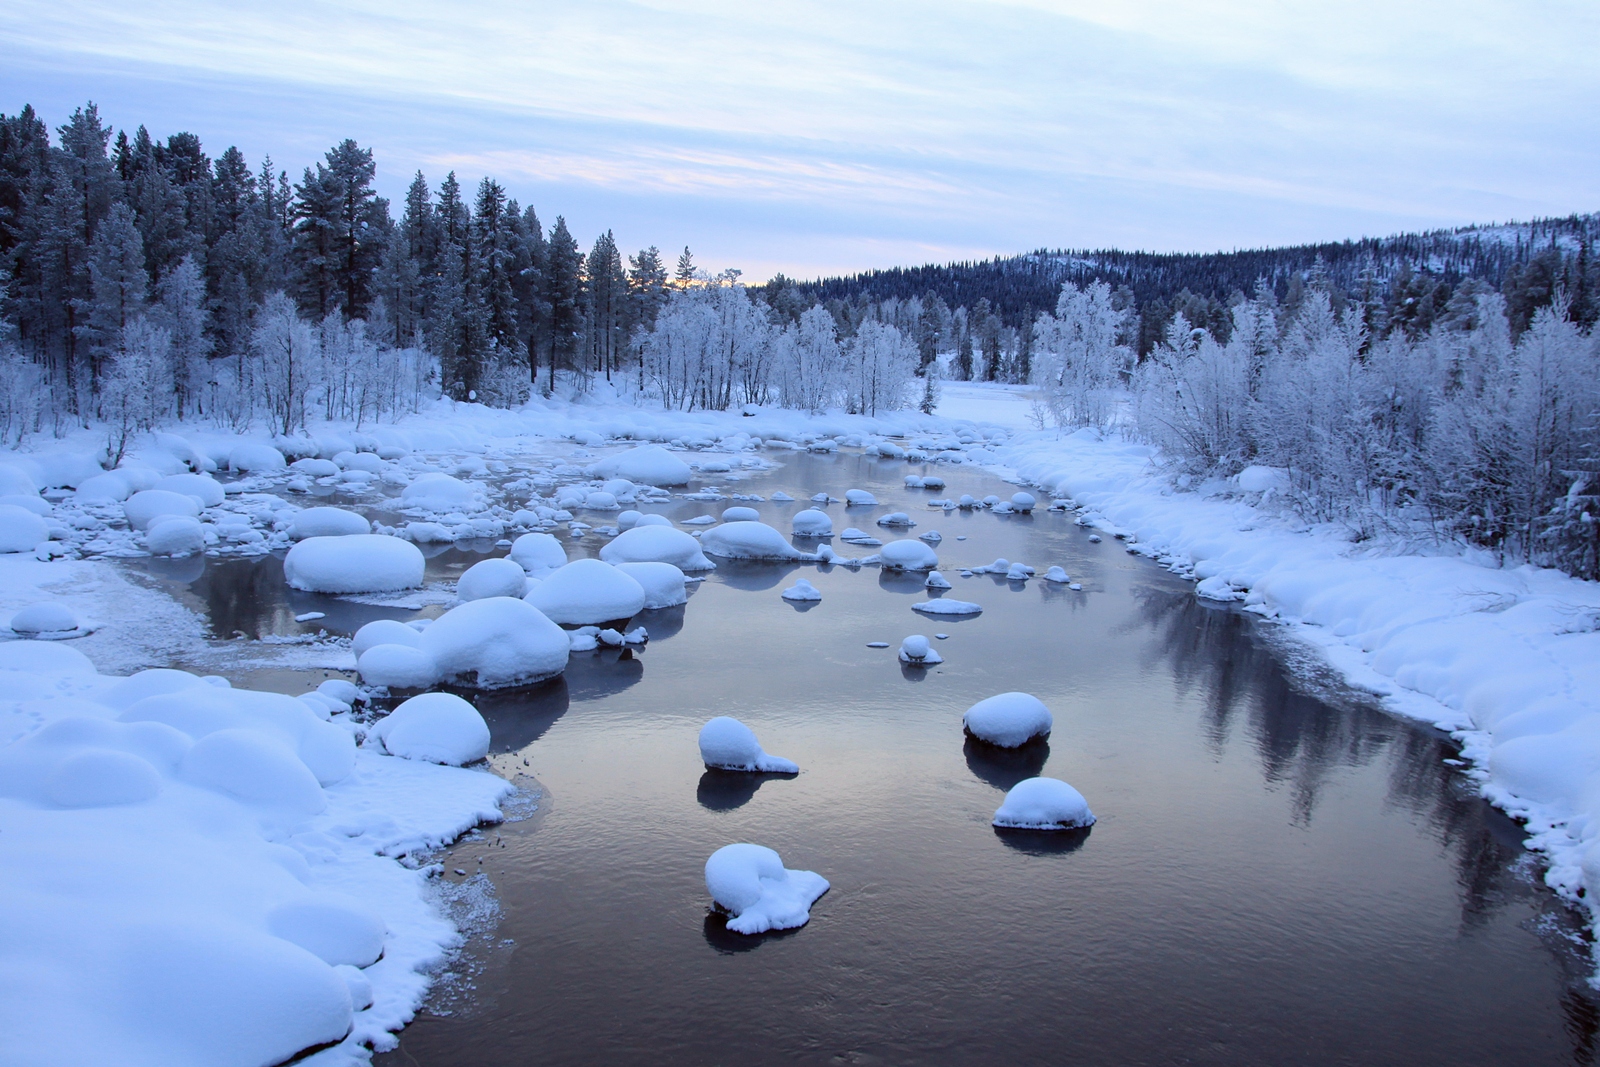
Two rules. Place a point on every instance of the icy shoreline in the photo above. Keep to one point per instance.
(1507, 660)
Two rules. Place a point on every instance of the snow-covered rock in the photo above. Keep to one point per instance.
(656, 544)
(946, 606)
(496, 642)
(896, 518)
(746, 539)
(45, 618)
(37, 505)
(315, 468)
(918, 652)
(729, 745)
(1008, 719)
(812, 523)
(751, 883)
(384, 632)
(437, 727)
(397, 665)
(645, 465)
(1023, 502)
(492, 577)
(802, 591)
(587, 592)
(327, 522)
(858, 498)
(1043, 804)
(664, 585)
(21, 530)
(204, 488)
(360, 563)
(908, 555)
(251, 456)
(538, 553)
(1057, 575)
(175, 535)
(144, 507)
(335, 929)
(936, 581)
(741, 514)
(14, 481)
(441, 493)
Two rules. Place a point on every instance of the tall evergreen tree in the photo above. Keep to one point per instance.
(607, 293)
(341, 226)
(494, 241)
(117, 287)
(563, 293)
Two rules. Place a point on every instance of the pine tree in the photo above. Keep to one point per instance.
(117, 287)
(683, 277)
(528, 287)
(563, 293)
(607, 292)
(341, 227)
(494, 241)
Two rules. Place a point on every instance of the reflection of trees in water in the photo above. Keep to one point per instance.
(1305, 727)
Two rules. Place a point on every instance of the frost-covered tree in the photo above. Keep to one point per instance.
(810, 365)
(134, 394)
(180, 309)
(880, 365)
(1078, 358)
(285, 363)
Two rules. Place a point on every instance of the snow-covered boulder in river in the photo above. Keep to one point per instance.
(1008, 720)
(802, 591)
(812, 523)
(1043, 804)
(729, 745)
(327, 522)
(496, 642)
(397, 665)
(946, 606)
(538, 553)
(645, 465)
(908, 555)
(361, 563)
(664, 585)
(492, 577)
(749, 540)
(436, 727)
(916, 651)
(656, 544)
(587, 592)
(441, 493)
(204, 488)
(752, 885)
(144, 507)
(741, 514)
(20, 529)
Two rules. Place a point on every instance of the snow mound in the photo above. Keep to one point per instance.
(1008, 719)
(440, 492)
(360, 563)
(858, 497)
(645, 465)
(751, 883)
(812, 523)
(436, 727)
(916, 651)
(497, 642)
(802, 590)
(27, 503)
(908, 556)
(14, 481)
(145, 507)
(1022, 502)
(204, 488)
(397, 665)
(741, 514)
(944, 606)
(1057, 575)
(749, 540)
(663, 584)
(327, 522)
(587, 592)
(253, 456)
(729, 745)
(538, 553)
(384, 632)
(656, 544)
(336, 931)
(936, 581)
(492, 577)
(44, 619)
(1043, 804)
(21, 530)
(175, 535)
(896, 518)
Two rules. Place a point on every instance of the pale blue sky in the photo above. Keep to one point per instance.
(830, 137)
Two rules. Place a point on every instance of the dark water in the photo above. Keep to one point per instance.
(1280, 874)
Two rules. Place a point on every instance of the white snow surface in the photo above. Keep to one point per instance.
(802, 591)
(750, 540)
(812, 523)
(587, 592)
(435, 727)
(728, 744)
(327, 522)
(946, 606)
(538, 553)
(1008, 720)
(495, 642)
(492, 577)
(656, 544)
(751, 883)
(1043, 804)
(358, 563)
(664, 585)
(645, 465)
(908, 555)
(116, 948)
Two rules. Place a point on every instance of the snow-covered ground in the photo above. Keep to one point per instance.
(1508, 659)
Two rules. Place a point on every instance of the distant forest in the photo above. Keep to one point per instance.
(1405, 282)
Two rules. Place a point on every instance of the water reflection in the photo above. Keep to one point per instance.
(728, 943)
(720, 790)
(751, 575)
(1043, 842)
(912, 582)
(1005, 767)
(520, 716)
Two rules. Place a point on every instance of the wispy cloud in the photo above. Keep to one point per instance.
(821, 136)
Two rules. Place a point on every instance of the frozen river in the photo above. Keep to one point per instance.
(1280, 872)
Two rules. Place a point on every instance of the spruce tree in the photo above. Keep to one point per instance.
(563, 292)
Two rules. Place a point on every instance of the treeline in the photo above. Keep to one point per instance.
(1403, 283)
(104, 232)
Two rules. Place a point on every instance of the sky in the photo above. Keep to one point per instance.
(832, 137)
